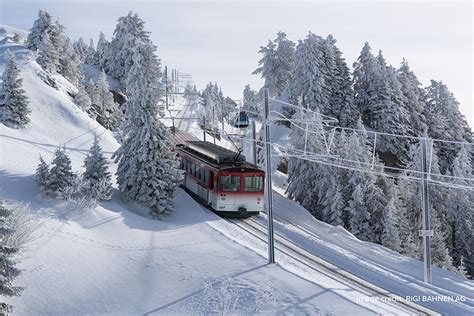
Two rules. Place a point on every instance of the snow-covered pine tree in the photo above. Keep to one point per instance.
(415, 97)
(90, 53)
(128, 34)
(101, 54)
(82, 99)
(251, 101)
(97, 176)
(342, 94)
(277, 63)
(43, 177)
(461, 203)
(439, 251)
(14, 104)
(303, 176)
(391, 222)
(41, 26)
(308, 80)
(8, 269)
(69, 62)
(81, 49)
(48, 55)
(445, 121)
(148, 170)
(61, 172)
(103, 103)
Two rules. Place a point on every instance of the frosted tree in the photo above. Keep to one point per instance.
(460, 209)
(103, 103)
(277, 63)
(41, 26)
(14, 104)
(439, 251)
(148, 170)
(445, 121)
(90, 53)
(415, 97)
(391, 223)
(61, 172)
(101, 54)
(303, 176)
(342, 94)
(8, 251)
(82, 99)
(48, 55)
(308, 80)
(128, 34)
(80, 49)
(43, 177)
(69, 63)
(98, 177)
(251, 101)
(359, 216)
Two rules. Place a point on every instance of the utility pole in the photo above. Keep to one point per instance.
(254, 143)
(268, 178)
(426, 233)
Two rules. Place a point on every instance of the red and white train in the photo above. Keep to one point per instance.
(222, 179)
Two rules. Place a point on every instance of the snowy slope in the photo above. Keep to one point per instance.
(113, 261)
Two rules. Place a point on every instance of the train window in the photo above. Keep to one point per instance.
(253, 183)
(230, 183)
(193, 169)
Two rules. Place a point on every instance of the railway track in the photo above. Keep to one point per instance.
(312, 262)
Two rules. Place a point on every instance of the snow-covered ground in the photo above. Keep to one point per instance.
(114, 261)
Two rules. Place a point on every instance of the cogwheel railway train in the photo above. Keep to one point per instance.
(221, 178)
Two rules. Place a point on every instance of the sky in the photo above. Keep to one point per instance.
(219, 41)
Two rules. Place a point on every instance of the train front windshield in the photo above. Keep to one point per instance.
(230, 183)
(253, 183)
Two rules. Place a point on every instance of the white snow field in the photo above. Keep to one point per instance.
(114, 261)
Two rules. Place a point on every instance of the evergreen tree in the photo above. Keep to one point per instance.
(43, 177)
(414, 96)
(445, 121)
(251, 101)
(8, 270)
(148, 170)
(461, 204)
(391, 223)
(277, 63)
(303, 175)
(61, 172)
(128, 34)
(90, 53)
(308, 80)
(80, 48)
(41, 26)
(82, 99)
(69, 62)
(96, 174)
(101, 54)
(103, 103)
(14, 110)
(48, 55)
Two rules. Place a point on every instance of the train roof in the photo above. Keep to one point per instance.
(179, 137)
(215, 153)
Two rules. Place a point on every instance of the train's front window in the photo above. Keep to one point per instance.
(253, 183)
(230, 183)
